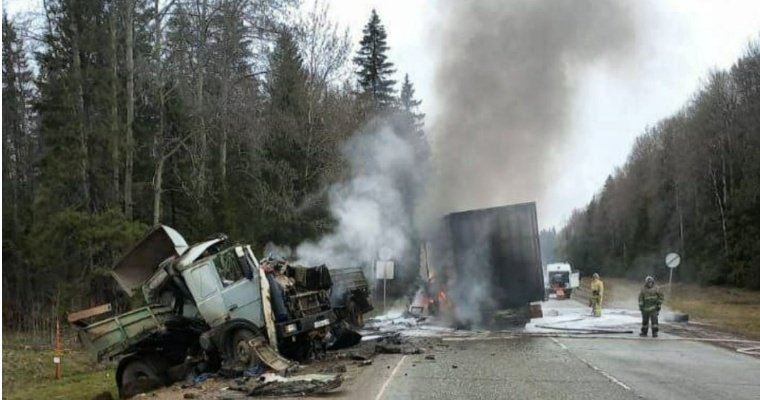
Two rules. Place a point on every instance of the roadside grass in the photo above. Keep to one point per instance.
(733, 310)
(29, 372)
(727, 309)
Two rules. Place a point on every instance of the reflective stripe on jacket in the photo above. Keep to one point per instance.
(650, 298)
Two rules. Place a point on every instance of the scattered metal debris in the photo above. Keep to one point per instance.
(276, 385)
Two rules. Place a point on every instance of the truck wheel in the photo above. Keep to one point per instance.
(241, 351)
(140, 376)
(355, 317)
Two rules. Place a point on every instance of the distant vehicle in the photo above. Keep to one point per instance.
(560, 280)
(210, 305)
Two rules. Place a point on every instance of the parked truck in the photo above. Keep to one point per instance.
(209, 305)
(486, 265)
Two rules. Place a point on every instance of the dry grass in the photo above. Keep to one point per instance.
(734, 310)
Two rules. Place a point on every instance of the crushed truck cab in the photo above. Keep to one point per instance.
(210, 304)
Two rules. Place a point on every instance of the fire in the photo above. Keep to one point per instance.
(442, 297)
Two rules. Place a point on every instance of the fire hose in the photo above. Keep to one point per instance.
(587, 331)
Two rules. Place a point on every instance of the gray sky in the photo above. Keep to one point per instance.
(678, 43)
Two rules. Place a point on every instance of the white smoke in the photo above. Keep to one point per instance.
(370, 208)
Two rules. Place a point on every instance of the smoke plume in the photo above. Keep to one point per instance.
(373, 208)
(505, 84)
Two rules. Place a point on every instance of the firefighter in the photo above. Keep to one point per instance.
(597, 293)
(650, 302)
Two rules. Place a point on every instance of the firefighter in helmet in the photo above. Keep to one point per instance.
(650, 302)
(597, 293)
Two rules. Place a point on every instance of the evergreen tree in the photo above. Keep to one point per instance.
(286, 148)
(18, 139)
(374, 68)
(410, 105)
(410, 122)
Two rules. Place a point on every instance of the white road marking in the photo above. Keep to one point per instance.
(606, 375)
(592, 366)
(387, 381)
(560, 344)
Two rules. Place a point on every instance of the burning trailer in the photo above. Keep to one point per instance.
(210, 306)
(483, 267)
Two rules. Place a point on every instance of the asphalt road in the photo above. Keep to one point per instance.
(622, 367)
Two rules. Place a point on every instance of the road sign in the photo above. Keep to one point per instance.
(384, 270)
(672, 260)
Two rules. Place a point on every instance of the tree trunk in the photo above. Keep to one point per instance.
(157, 182)
(200, 106)
(114, 128)
(225, 127)
(158, 179)
(81, 131)
(129, 139)
(158, 137)
(721, 208)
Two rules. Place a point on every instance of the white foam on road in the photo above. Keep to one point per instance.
(568, 317)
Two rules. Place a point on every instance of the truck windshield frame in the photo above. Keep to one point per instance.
(228, 267)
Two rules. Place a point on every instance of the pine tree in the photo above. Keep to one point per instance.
(374, 68)
(18, 139)
(410, 122)
(409, 105)
(285, 149)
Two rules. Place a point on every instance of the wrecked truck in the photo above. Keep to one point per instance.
(210, 306)
(484, 266)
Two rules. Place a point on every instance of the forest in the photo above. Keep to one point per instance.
(205, 115)
(690, 185)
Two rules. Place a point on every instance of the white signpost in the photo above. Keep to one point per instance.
(672, 260)
(384, 271)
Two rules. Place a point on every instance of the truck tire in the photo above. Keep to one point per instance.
(354, 317)
(239, 350)
(140, 375)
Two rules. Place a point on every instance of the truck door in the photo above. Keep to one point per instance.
(575, 279)
(222, 291)
(205, 286)
(241, 295)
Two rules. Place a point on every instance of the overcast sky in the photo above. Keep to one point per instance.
(678, 43)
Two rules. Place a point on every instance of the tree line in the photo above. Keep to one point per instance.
(206, 115)
(691, 185)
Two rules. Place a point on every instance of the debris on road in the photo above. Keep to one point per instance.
(430, 357)
(271, 384)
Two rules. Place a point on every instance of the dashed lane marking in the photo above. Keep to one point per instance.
(387, 381)
(592, 366)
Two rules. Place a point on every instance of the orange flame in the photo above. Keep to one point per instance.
(442, 297)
